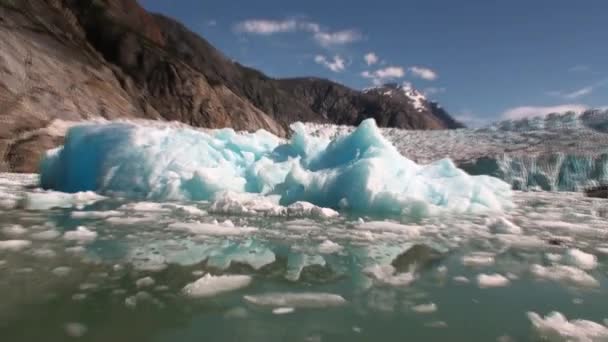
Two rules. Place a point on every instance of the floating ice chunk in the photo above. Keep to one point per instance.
(187, 209)
(478, 259)
(61, 271)
(297, 300)
(503, 226)
(329, 247)
(461, 279)
(81, 235)
(52, 199)
(14, 245)
(44, 253)
(308, 209)
(387, 226)
(436, 324)
(425, 308)
(296, 262)
(492, 280)
(119, 220)
(556, 327)
(361, 171)
(145, 206)
(580, 259)
(14, 230)
(95, 214)
(210, 229)
(75, 329)
(566, 274)
(144, 282)
(386, 275)
(46, 235)
(209, 286)
(553, 257)
(249, 252)
(283, 311)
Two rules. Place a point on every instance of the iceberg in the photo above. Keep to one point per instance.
(360, 172)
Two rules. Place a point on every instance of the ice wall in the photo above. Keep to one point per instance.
(361, 171)
(550, 172)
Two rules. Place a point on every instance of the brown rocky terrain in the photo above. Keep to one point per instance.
(74, 60)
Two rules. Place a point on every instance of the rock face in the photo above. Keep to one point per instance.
(73, 60)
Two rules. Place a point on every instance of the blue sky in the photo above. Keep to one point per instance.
(482, 60)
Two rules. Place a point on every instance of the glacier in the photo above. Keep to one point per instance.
(558, 152)
(360, 171)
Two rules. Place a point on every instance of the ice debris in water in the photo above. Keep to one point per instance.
(209, 285)
(565, 274)
(478, 259)
(297, 300)
(282, 311)
(361, 171)
(81, 235)
(52, 199)
(144, 282)
(211, 229)
(556, 327)
(580, 259)
(504, 226)
(492, 280)
(425, 308)
(75, 329)
(14, 245)
(14, 230)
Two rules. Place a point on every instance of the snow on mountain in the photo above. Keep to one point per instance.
(403, 91)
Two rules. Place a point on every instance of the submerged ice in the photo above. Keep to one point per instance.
(361, 171)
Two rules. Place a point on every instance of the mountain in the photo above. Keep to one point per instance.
(74, 60)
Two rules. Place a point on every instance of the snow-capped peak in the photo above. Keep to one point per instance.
(418, 99)
(394, 90)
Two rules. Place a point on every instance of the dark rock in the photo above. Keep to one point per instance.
(597, 192)
(418, 257)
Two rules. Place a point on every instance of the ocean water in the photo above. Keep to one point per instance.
(82, 266)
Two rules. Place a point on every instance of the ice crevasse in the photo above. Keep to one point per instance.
(361, 171)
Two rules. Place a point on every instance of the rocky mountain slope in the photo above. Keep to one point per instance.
(73, 60)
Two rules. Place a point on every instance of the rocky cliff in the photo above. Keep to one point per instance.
(73, 60)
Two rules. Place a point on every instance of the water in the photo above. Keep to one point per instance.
(57, 289)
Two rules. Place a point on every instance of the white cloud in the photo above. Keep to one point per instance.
(579, 93)
(532, 111)
(383, 75)
(337, 38)
(266, 27)
(371, 58)
(335, 65)
(212, 22)
(323, 37)
(424, 73)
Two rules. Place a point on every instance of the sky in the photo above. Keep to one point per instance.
(482, 60)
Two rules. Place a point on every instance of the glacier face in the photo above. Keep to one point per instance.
(564, 152)
(360, 171)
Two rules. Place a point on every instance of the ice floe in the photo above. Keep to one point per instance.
(565, 274)
(580, 259)
(297, 300)
(211, 229)
(14, 245)
(492, 280)
(556, 327)
(209, 285)
(81, 235)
